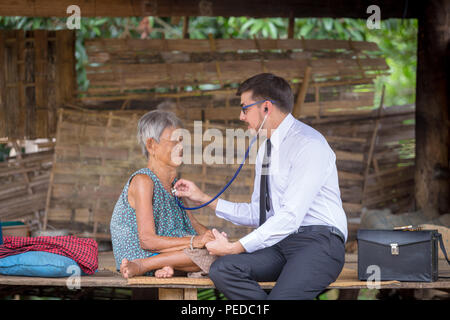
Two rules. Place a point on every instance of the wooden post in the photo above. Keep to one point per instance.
(186, 27)
(372, 142)
(177, 294)
(3, 121)
(258, 46)
(212, 45)
(41, 87)
(52, 174)
(432, 132)
(291, 26)
(302, 92)
(20, 40)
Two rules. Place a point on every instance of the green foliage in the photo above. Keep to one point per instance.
(4, 152)
(397, 39)
(210, 294)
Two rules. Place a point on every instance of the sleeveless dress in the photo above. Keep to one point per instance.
(170, 221)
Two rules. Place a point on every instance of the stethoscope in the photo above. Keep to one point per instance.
(229, 182)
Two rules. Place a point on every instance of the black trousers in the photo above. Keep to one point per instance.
(303, 265)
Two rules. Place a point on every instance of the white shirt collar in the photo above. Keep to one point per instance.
(281, 131)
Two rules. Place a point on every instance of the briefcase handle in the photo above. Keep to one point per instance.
(439, 236)
(441, 244)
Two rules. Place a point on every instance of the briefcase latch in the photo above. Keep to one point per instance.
(394, 249)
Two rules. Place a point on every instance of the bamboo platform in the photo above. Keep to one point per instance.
(183, 288)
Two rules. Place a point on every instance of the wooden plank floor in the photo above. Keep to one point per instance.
(108, 277)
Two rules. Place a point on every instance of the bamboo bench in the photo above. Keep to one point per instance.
(183, 288)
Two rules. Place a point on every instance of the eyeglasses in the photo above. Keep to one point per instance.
(244, 108)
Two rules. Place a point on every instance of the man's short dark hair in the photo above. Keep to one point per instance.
(269, 86)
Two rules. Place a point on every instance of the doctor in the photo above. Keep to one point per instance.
(301, 227)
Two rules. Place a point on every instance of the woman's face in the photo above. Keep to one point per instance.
(169, 150)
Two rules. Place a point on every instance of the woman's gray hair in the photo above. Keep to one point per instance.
(152, 124)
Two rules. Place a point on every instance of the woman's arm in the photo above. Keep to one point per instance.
(140, 195)
(201, 229)
(198, 227)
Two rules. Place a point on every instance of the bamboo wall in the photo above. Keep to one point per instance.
(94, 155)
(37, 75)
(330, 77)
(24, 182)
(375, 158)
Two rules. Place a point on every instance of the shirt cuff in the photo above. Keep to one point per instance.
(224, 209)
(251, 242)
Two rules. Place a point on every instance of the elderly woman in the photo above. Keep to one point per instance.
(149, 231)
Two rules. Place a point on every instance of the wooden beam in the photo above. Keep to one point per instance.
(432, 133)
(229, 8)
(291, 27)
(302, 93)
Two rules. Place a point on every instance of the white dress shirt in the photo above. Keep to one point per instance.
(303, 188)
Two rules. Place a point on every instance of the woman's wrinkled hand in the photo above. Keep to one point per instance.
(201, 240)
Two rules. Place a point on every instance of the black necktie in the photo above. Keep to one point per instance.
(264, 201)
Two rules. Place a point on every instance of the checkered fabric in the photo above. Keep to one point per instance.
(83, 251)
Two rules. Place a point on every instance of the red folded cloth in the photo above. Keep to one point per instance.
(83, 251)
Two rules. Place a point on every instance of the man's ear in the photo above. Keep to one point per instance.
(267, 107)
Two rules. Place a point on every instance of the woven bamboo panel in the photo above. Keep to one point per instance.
(94, 155)
(374, 160)
(38, 75)
(330, 78)
(24, 182)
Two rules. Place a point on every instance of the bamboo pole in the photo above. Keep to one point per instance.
(186, 27)
(291, 26)
(372, 142)
(302, 93)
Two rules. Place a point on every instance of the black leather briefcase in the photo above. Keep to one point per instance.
(399, 255)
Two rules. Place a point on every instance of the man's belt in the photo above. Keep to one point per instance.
(333, 230)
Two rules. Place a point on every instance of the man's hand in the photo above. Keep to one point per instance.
(188, 189)
(221, 246)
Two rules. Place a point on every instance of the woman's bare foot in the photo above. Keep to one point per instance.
(165, 272)
(130, 269)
